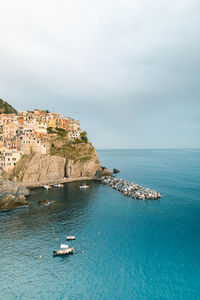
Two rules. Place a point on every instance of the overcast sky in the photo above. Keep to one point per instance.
(129, 70)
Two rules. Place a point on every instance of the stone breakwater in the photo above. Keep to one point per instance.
(130, 189)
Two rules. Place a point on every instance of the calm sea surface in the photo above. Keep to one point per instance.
(133, 249)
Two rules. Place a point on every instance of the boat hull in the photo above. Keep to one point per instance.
(68, 238)
(63, 251)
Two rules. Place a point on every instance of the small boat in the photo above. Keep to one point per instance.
(63, 246)
(84, 186)
(72, 237)
(58, 185)
(64, 251)
(47, 186)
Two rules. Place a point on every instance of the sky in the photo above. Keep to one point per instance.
(128, 70)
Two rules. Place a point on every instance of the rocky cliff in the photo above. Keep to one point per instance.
(63, 161)
(12, 195)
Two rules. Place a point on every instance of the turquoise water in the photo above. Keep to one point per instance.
(133, 249)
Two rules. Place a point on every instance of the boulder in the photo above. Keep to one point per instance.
(45, 202)
(10, 202)
(103, 172)
(116, 171)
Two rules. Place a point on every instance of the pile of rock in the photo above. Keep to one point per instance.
(130, 189)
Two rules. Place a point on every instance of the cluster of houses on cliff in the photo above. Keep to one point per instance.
(27, 132)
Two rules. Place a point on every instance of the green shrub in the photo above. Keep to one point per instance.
(84, 137)
(50, 130)
(62, 132)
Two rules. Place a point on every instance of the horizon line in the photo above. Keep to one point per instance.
(148, 148)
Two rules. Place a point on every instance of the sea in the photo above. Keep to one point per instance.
(124, 248)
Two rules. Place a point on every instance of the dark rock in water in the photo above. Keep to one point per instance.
(45, 202)
(116, 171)
(10, 202)
(103, 172)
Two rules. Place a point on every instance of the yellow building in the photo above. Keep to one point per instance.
(51, 123)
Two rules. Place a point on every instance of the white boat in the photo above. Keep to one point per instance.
(47, 187)
(84, 186)
(64, 251)
(63, 246)
(58, 185)
(72, 237)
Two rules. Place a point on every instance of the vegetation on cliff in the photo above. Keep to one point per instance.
(76, 152)
(84, 137)
(6, 108)
(57, 131)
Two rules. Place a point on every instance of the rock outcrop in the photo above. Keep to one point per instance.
(12, 195)
(69, 162)
(10, 202)
(116, 171)
(10, 187)
(45, 202)
(102, 171)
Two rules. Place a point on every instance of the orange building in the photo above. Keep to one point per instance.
(64, 123)
(20, 120)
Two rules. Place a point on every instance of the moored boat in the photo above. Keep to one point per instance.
(47, 186)
(63, 246)
(58, 185)
(84, 186)
(72, 237)
(64, 251)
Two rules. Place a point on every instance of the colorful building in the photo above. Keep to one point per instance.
(9, 158)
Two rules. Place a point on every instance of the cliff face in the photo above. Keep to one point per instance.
(81, 169)
(79, 160)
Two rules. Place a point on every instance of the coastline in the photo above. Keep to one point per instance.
(63, 180)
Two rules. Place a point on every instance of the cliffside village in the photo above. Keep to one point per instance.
(27, 132)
